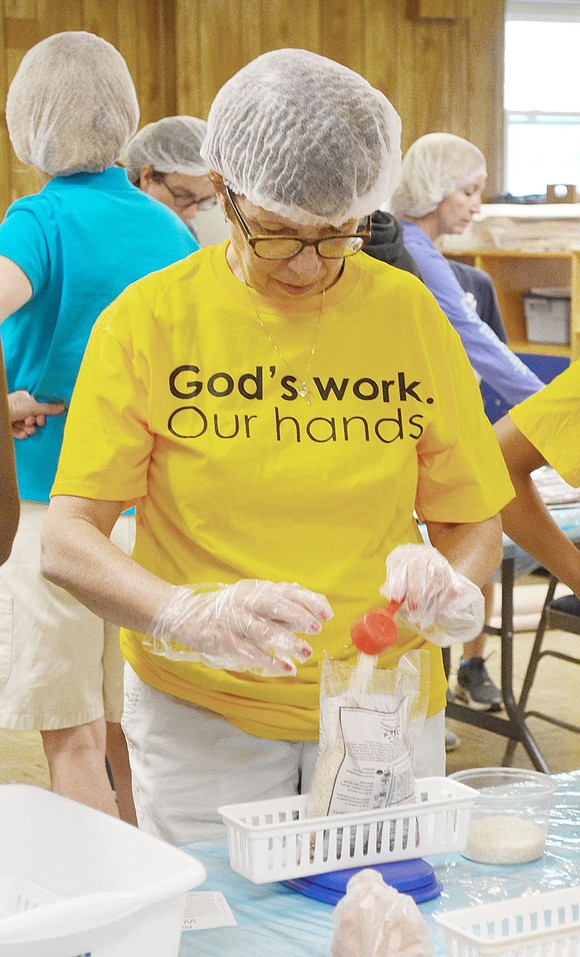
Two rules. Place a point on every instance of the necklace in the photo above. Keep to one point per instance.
(302, 382)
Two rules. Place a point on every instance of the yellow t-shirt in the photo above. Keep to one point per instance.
(550, 420)
(184, 406)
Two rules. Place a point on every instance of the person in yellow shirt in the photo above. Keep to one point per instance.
(543, 430)
(278, 408)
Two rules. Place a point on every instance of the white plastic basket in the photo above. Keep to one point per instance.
(274, 840)
(75, 882)
(545, 925)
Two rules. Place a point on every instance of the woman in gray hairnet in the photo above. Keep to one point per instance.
(277, 406)
(439, 192)
(163, 160)
(65, 253)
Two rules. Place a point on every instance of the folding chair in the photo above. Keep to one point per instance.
(562, 614)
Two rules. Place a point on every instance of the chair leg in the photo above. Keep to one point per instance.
(532, 663)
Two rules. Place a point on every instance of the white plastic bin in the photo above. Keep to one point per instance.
(545, 925)
(547, 317)
(75, 882)
(274, 840)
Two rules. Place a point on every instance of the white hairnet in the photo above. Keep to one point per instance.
(71, 106)
(433, 167)
(304, 137)
(170, 145)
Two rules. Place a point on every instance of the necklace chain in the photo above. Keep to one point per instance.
(302, 387)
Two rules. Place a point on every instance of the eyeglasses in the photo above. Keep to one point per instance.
(286, 247)
(182, 198)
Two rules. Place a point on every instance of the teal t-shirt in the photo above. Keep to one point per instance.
(81, 240)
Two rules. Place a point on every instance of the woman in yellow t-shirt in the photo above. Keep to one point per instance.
(279, 409)
(544, 430)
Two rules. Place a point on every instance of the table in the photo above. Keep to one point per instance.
(274, 921)
(513, 725)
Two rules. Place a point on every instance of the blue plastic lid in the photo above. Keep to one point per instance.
(416, 878)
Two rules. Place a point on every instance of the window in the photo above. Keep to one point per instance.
(542, 95)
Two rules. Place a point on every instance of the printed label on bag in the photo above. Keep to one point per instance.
(377, 768)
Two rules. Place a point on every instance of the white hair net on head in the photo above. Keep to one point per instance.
(170, 145)
(304, 137)
(72, 106)
(433, 167)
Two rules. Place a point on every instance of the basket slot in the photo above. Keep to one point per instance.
(288, 850)
(17, 895)
(546, 925)
(22, 902)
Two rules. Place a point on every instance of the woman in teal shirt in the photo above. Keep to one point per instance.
(66, 253)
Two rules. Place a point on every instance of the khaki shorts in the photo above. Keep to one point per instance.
(60, 665)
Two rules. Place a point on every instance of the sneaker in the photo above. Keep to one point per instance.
(475, 687)
(452, 741)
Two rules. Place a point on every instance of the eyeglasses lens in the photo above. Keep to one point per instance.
(336, 248)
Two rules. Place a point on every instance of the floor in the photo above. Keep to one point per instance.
(555, 691)
(22, 759)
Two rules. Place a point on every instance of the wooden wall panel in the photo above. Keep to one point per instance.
(188, 54)
(440, 73)
(343, 33)
(485, 88)
(143, 31)
(54, 16)
(384, 27)
(296, 24)
(228, 34)
(431, 48)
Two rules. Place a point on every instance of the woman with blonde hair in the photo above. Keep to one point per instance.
(440, 190)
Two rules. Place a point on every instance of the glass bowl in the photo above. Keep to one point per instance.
(510, 817)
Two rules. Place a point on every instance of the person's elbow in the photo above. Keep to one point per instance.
(52, 551)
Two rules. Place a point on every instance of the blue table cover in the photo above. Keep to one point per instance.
(274, 921)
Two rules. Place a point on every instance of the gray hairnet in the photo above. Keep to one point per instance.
(433, 167)
(170, 145)
(72, 106)
(304, 137)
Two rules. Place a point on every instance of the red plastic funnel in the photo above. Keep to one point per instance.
(376, 630)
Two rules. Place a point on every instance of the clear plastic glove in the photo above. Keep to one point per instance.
(248, 626)
(442, 604)
(374, 920)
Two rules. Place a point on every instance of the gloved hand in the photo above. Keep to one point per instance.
(247, 626)
(439, 602)
(375, 920)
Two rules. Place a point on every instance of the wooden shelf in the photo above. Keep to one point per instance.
(514, 273)
(541, 348)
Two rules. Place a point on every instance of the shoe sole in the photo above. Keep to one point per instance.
(466, 698)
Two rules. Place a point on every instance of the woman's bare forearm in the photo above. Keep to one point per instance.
(78, 556)
(526, 519)
(474, 549)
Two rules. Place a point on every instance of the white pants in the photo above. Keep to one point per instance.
(187, 761)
